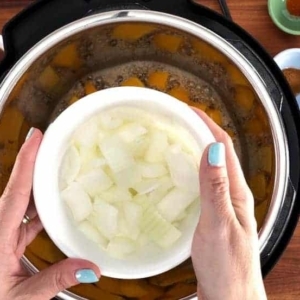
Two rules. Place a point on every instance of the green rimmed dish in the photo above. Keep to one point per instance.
(282, 18)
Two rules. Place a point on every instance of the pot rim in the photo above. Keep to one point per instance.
(118, 16)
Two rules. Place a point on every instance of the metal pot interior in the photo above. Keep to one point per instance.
(155, 56)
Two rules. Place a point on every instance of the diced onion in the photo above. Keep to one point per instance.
(70, 167)
(158, 144)
(116, 153)
(95, 182)
(153, 170)
(120, 247)
(130, 181)
(174, 203)
(78, 201)
(105, 218)
(131, 132)
(92, 233)
(183, 170)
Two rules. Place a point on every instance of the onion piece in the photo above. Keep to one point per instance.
(116, 153)
(108, 122)
(142, 200)
(158, 144)
(133, 213)
(116, 194)
(165, 185)
(174, 203)
(132, 131)
(86, 135)
(90, 158)
(128, 178)
(153, 170)
(139, 146)
(95, 182)
(105, 218)
(70, 167)
(121, 247)
(146, 186)
(91, 232)
(158, 229)
(78, 201)
(130, 215)
(183, 170)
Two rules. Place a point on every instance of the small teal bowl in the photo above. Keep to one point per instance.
(282, 18)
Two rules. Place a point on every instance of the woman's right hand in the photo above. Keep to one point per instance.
(225, 249)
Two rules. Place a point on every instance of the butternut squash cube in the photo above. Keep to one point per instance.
(48, 79)
(68, 57)
(133, 81)
(158, 80)
(244, 97)
(236, 76)
(262, 116)
(258, 186)
(230, 132)
(254, 127)
(266, 159)
(167, 42)
(201, 106)
(132, 32)
(208, 52)
(89, 87)
(73, 100)
(215, 115)
(260, 212)
(180, 93)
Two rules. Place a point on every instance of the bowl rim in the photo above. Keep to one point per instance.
(43, 161)
(279, 24)
(278, 57)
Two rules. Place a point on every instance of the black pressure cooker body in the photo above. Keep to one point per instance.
(45, 16)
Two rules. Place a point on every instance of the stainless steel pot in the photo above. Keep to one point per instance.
(104, 45)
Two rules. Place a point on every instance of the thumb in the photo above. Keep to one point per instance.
(216, 205)
(65, 274)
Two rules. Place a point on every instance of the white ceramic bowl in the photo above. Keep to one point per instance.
(52, 210)
(289, 58)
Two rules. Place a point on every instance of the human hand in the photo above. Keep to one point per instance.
(225, 250)
(16, 282)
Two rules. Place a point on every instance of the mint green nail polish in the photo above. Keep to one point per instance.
(216, 155)
(86, 276)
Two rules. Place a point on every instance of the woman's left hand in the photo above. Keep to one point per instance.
(16, 282)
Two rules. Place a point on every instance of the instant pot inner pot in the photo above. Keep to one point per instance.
(158, 57)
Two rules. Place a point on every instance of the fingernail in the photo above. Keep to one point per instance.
(30, 133)
(86, 276)
(216, 155)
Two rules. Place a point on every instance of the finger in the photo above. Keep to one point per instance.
(63, 275)
(33, 228)
(27, 233)
(15, 198)
(233, 164)
(241, 195)
(214, 186)
(31, 209)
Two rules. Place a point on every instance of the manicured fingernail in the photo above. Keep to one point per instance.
(216, 155)
(86, 276)
(30, 133)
